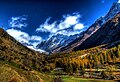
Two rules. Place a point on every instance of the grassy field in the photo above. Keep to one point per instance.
(75, 79)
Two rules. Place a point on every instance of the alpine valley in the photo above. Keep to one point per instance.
(90, 56)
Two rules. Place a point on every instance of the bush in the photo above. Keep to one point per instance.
(13, 79)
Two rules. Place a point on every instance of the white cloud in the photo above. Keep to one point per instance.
(47, 27)
(68, 22)
(18, 22)
(79, 26)
(36, 38)
(24, 37)
(68, 33)
(39, 50)
(118, 1)
(19, 35)
(71, 19)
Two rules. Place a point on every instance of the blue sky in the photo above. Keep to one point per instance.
(32, 21)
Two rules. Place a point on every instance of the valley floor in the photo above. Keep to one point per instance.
(67, 78)
(10, 73)
(77, 79)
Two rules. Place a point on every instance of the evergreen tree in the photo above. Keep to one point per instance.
(109, 58)
(69, 68)
(118, 53)
(101, 59)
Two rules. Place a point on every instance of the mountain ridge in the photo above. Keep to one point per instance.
(56, 42)
(70, 45)
(93, 28)
(108, 33)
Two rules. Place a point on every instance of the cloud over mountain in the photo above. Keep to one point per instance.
(70, 25)
(18, 22)
(17, 25)
(24, 37)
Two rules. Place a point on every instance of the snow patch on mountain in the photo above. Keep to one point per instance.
(112, 12)
(33, 47)
(56, 41)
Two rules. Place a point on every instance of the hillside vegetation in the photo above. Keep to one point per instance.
(10, 73)
(18, 63)
(21, 64)
(18, 55)
(106, 62)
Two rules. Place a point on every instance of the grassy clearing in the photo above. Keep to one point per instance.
(75, 79)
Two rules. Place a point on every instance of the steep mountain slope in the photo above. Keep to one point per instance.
(82, 38)
(56, 42)
(10, 73)
(108, 33)
(18, 55)
(60, 43)
(93, 28)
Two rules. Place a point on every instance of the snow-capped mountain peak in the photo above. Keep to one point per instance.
(56, 41)
(111, 13)
(59, 41)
